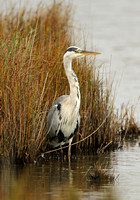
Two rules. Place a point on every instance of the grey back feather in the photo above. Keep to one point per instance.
(52, 118)
(62, 121)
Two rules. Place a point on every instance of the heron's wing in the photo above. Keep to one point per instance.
(60, 99)
(54, 117)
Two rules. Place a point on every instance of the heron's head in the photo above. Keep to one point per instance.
(75, 52)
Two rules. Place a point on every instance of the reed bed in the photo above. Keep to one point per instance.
(32, 77)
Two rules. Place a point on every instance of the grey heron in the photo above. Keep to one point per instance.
(63, 118)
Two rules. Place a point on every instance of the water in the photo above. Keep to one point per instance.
(112, 27)
(56, 180)
(127, 164)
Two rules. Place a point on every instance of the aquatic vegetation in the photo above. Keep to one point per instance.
(32, 77)
(99, 175)
(130, 129)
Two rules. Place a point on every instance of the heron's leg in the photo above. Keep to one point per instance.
(69, 150)
(61, 152)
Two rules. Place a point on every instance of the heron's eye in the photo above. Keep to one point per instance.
(77, 51)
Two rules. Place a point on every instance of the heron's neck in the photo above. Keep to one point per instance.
(73, 80)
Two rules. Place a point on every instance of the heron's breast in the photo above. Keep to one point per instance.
(69, 127)
(70, 111)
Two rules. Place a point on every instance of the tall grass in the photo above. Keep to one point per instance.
(32, 77)
(31, 49)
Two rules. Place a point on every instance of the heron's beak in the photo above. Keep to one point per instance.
(86, 53)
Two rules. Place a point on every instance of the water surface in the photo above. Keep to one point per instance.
(112, 27)
(57, 180)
